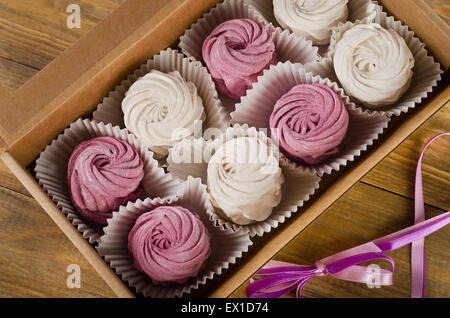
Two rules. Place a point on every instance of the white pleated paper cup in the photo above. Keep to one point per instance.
(51, 170)
(110, 110)
(191, 157)
(358, 10)
(288, 46)
(427, 72)
(265, 8)
(256, 108)
(324, 68)
(226, 246)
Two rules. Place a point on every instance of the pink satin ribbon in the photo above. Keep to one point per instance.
(281, 278)
(417, 247)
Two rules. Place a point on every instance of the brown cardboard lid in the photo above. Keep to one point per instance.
(76, 81)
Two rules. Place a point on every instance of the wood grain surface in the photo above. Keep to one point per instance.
(34, 253)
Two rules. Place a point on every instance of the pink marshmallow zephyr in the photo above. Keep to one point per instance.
(103, 174)
(236, 53)
(309, 123)
(169, 244)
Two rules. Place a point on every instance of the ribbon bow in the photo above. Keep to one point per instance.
(281, 278)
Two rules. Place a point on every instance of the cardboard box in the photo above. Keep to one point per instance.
(74, 83)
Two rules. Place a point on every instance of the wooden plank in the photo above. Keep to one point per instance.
(397, 171)
(9, 181)
(13, 74)
(34, 32)
(366, 213)
(34, 254)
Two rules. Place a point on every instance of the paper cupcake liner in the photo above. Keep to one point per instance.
(265, 8)
(427, 72)
(110, 110)
(358, 10)
(226, 246)
(256, 108)
(191, 157)
(51, 170)
(288, 46)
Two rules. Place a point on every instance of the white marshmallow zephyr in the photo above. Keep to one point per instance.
(244, 180)
(312, 19)
(161, 109)
(373, 64)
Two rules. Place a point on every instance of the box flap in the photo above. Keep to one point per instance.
(76, 81)
(425, 23)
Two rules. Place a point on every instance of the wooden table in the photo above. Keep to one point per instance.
(34, 253)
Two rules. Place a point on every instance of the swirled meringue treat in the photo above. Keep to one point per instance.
(169, 244)
(244, 180)
(373, 64)
(236, 53)
(169, 247)
(309, 123)
(161, 109)
(312, 19)
(103, 173)
(317, 127)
